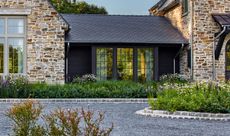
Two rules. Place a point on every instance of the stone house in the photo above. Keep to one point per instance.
(205, 23)
(38, 42)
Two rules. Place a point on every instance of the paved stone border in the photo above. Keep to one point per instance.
(184, 115)
(106, 100)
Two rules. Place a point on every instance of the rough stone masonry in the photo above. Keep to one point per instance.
(45, 31)
(203, 28)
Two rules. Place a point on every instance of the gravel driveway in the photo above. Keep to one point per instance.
(126, 123)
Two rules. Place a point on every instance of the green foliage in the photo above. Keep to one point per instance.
(25, 116)
(173, 78)
(20, 88)
(63, 6)
(202, 97)
(13, 86)
(85, 79)
(58, 123)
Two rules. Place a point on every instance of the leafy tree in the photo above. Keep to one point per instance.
(63, 6)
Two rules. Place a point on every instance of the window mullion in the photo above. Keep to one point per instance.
(115, 63)
(135, 64)
(6, 52)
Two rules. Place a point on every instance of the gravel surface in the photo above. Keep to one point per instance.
(126, 123)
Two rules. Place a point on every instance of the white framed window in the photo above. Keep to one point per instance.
(12, 45)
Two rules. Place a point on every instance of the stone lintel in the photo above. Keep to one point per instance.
(13, 11)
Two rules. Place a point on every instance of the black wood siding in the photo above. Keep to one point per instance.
(166, 55)
(79, 61)
(227, 75)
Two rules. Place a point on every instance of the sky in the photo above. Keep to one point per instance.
(125, 7)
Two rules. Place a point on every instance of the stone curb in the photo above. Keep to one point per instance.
(184, 115)
(106, 100)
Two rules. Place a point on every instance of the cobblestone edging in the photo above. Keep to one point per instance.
(106, 100)
(184, 115)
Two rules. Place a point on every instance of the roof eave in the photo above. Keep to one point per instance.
(164, 10)
(130, 42)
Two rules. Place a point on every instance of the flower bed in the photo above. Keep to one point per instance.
(196, 97)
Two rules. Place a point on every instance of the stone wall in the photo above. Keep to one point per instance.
(45, 40)
(181, 22)
(205, 28)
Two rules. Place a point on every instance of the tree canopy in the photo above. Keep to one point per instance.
(81, 7)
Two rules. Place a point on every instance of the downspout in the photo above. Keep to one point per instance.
(174, 59)
(213, 52)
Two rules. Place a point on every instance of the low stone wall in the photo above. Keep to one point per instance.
(184, 115)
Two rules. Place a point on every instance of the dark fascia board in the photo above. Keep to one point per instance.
(158, 5)
(162, 2)
(172, 5)
(128, 43)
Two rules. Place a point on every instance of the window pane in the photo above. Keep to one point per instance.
(16, 55)
(104, 62)
(125, 63)
(2, 41)
(145, 64)
(2, 26)
(15, 26)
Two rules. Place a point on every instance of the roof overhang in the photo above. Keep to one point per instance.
(224, 21)
(163, 6)
(122, 29)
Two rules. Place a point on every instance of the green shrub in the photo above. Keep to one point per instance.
(85, 79)
(25, 116)
(99, 89)
(58, 123)
(13, 86)
(202, 97)
(173, 78)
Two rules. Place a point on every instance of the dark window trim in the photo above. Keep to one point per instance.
(135, 61)
(114, 63)
(156, 64)
(135, 64)
(94, 60)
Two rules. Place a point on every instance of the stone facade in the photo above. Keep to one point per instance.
(45, 43)
(202, 36)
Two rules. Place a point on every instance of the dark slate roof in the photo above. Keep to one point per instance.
(121, 29)
(222, 19)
